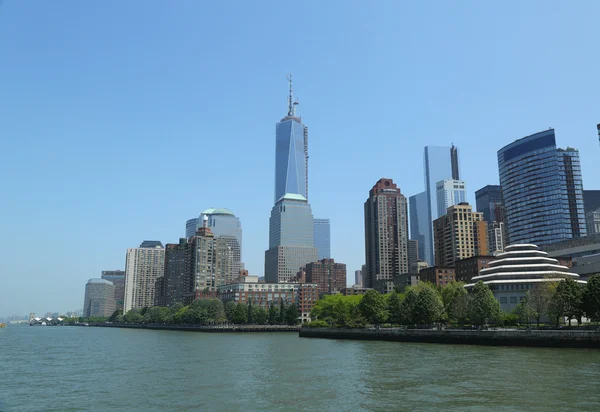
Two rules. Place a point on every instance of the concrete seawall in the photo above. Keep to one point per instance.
(202, 328)
(542, 338)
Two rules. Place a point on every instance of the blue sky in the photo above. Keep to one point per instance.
(122, 119)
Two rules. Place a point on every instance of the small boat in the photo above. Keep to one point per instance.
(2, 325)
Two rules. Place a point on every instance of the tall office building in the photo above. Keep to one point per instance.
(440, 163)
(358, 278)
(459, 234)
(542, 190)
(419, 223)
(386, 236)
(117, 277)
(413, 256)
(291, 153)
(449, 192)
(291, 238)
(191, 225)
(488, 200)
(322, 238)
(225, 225)
(177, 282)
(143, 266)
(591, 206)
(329, 276)
(209, 262)
(99, 298)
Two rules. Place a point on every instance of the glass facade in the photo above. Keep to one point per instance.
(420, 226)
(291, 155)
(191, 225)
(449, 193)
(542, 190)
(489, 202)
(322, 238)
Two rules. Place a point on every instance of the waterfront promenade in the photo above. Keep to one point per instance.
(499, 337)
(199, 328)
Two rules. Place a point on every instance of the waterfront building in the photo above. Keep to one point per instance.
(322, 237)
(582, 254)
(209, 261)
(248, 288)
(225, 225)
(438, 275)
(519, 269)
(99, 300)
(467, 269)
(591, 207)
(459, 234)
(291, 153)
(386, 236)
(542, 190)
(449, 192)
(329, 276)
(358, 278)
(143, 266)
(420, 229)
(355, 290)
(117, 277)
(291, 238)
(177, 281)
(191, 225)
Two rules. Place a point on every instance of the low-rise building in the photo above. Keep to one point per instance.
(467, 269)
(581, 255)
(438, 275)
(303, 295)
(354, 290)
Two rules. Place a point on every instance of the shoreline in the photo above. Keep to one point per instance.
(199, 328)
(534, 338)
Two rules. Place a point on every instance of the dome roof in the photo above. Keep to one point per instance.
(218, 211)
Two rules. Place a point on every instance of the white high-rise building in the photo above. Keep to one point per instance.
(143, 266)
(449, 192)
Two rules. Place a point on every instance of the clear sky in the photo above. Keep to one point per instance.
(119, 120)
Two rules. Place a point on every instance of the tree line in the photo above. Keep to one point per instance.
(208, 311)
(427, 304)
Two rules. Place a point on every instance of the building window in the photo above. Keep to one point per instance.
(513, 299)
(503, 299)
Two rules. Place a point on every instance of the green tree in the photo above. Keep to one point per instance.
(229, 309)
(566, 300)
(211, 308)
(260, 315)
(407, 307)
(115, 314)
(539, 299)
(395, 308)
(429, 307)
(176, 307)
(250, 312)
(240, 315)
(133, 316)
(483, 305)
(273, 314)
(292, 314)
(282, 312)
(452, 293)
(373, 307)
(591, 298)
(522, 311)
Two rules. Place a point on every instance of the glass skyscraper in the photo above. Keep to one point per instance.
(449, 193)
(440, 163)
(488, 201)
(322, 237)
(291, 154)
(542, 190)
(291, 238)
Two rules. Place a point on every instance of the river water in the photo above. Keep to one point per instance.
(102, 369)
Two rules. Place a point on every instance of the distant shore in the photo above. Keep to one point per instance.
(199, 328)
(506, 337)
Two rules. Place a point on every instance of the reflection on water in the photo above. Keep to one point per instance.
(97, 369)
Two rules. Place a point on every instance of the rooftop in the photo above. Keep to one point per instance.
(292, 196)
(218, 211)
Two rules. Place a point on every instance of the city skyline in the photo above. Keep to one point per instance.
(97, 139)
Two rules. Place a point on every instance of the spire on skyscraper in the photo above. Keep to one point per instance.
(291, 103)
